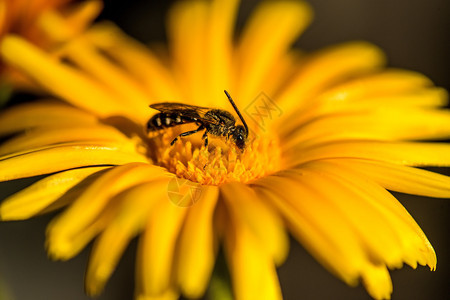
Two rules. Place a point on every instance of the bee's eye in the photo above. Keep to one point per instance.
(240, 141)
(240, 131)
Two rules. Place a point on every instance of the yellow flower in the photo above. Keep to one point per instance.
(331, 132)
(45, 23)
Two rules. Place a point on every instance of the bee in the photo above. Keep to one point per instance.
(217, 122)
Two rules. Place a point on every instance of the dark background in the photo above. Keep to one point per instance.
(415, 34)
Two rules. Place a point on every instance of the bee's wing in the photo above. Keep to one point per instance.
(186, 110)
(169, 107)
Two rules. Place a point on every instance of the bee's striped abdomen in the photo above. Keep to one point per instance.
(164, 120)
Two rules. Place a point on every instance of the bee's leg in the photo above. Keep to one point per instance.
(187, 133)
(205, 137)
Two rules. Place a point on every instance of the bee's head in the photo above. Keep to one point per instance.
(239, 136)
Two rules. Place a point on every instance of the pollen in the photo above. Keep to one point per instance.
(220, 162)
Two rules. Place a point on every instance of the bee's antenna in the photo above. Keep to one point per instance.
(237, 111)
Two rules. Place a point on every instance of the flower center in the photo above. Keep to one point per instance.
(220, 162)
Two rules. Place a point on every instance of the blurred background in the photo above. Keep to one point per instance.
(415, 34)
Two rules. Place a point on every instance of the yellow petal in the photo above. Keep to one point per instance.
(43, 113)
(80, 15)
(157, 247)
(353, 227)
(219, 47)
(404, 153)
(325, 235)
(260, 218)
(391, 88)
(196, 249)
(407, 90)
(59, 158)
(370, 226)
(252, 269)
(132, 213)
(187, 28)
(377, 282)
(400, 178)
(280, 74)
(96, 197)
(109, 74)
(168, 295)
(414, 244)
(390, 82)
(36, 138)
(418, 97)
(384, 124)
(62, 27)
(3, 18)
(258, 51)
(33, 199)
(65, 249)
(201, 40)
(140, 61)
(64, 81)
(341, 61)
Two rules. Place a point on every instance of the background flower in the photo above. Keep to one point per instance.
(299, 273)
(45, 23)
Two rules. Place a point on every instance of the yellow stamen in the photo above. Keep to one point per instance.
(219, 162)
